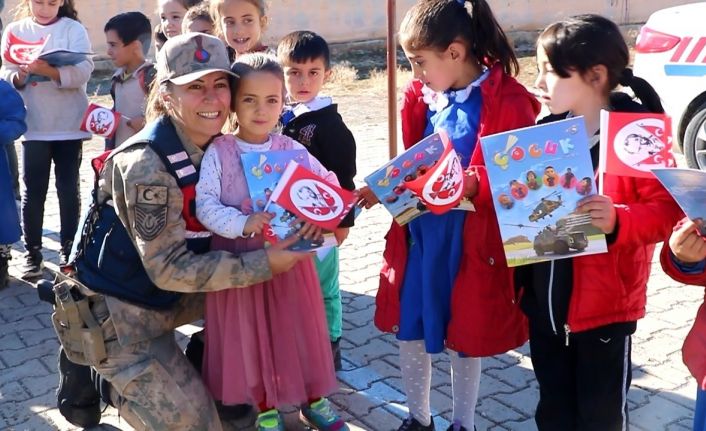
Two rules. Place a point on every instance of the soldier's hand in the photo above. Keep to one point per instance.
(686, 245)
(256, 222)
(308, 231)
(282, 260)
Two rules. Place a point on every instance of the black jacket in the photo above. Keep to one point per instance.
(326, 137)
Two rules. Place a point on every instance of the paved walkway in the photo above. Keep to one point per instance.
(370, 396)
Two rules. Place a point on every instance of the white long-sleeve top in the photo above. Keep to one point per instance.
(54, 109)
(228, 221)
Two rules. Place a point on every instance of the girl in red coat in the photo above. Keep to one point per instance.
(462, 63)
(685, 260)
(582, 311)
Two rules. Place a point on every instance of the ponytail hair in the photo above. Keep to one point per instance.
(435, 24)
(581, 42)
(67, 10)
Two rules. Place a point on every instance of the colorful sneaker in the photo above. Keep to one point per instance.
(320, 416)
(270, 420)
(411, 424)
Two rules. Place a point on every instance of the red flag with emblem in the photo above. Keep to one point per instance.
(441, 187)
(100, 121)
(312, 198)
(634, 143)
(19, 51)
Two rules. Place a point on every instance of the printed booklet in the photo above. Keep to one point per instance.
(688, 188)
(537, 175)
(427, 177)
(263, 171)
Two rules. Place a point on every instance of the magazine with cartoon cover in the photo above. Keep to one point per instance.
(688, 188)
(537, 175)
(263, 171)
(389, 183)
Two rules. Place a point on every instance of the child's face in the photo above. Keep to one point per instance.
(435, 69)
(120, 53)
(258, 105)
(171, 14)
(242, 25)
(304, 80)
(45, 11)
(202, 106)
(562, 94)
(197, 26)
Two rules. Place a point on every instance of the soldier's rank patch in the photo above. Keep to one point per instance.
(151, 211)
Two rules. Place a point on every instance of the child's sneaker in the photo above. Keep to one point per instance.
(456, 426)
(270, 420)
(411, 424)
(320, 416)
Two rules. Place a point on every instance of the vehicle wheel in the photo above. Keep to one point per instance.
(695, 140)
(561, 247)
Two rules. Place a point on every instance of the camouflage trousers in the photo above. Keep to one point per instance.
(159, 388)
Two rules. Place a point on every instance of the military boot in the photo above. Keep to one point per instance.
(76, 397)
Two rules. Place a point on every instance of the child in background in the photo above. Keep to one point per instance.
(685, 260)
(240, 23)
(445, 282)
(171, 15)
(314, 122)
(583, 311)
(159, 38)
(266, 345)
(198, 20)
(129, 36)
(55, 107)
(12, 126)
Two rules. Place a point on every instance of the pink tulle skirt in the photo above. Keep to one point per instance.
(268, 343)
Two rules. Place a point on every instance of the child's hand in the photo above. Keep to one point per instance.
(366, 198)
(42, 68)
(136, 123)
(282, 260)
(256, 222)
(602, 211)
(21, 78)
(686, 245)
(470, 183)
(246, 206)
(341, 234)
(308, 231)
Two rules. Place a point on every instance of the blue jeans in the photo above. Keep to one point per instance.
(37, 157)
(700, 411)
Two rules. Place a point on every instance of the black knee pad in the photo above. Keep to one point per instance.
(77, 399)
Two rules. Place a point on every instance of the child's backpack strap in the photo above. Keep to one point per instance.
(146, 76)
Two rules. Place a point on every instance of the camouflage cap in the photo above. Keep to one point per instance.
(187, 57)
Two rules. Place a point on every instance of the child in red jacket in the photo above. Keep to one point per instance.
(445, 283)
(583, 311)
(685, 260)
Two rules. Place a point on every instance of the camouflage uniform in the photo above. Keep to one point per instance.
(156, 382)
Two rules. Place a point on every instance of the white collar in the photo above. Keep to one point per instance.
(440, 100)
(315, 104)
(248, 147)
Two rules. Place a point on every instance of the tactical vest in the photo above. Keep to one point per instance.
(106, 260)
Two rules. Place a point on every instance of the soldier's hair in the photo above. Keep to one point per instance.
(216, 7)
(200, 12)
(67, 10)
(581, 42)
(303, 46)
(435, 24)
(253, 62)
(155, 106)
(131, 26)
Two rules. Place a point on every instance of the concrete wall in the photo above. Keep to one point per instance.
(349, 20)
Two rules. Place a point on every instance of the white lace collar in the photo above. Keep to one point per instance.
(315, 104)
(440, 100)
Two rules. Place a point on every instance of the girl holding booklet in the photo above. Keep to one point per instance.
(582, 311)
(266, 345)
(56, 100)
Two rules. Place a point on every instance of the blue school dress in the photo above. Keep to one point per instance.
(437, 240)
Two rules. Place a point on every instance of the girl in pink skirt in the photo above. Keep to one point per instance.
(266, 345)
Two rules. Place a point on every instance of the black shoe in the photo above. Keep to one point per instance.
(336, 350)
(4, 267)
(457, 427)
(233, 412)
(64, 254)
(33, 264)
(76, 397)
(411, 424)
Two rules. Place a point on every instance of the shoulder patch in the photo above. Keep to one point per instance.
(151, 211)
